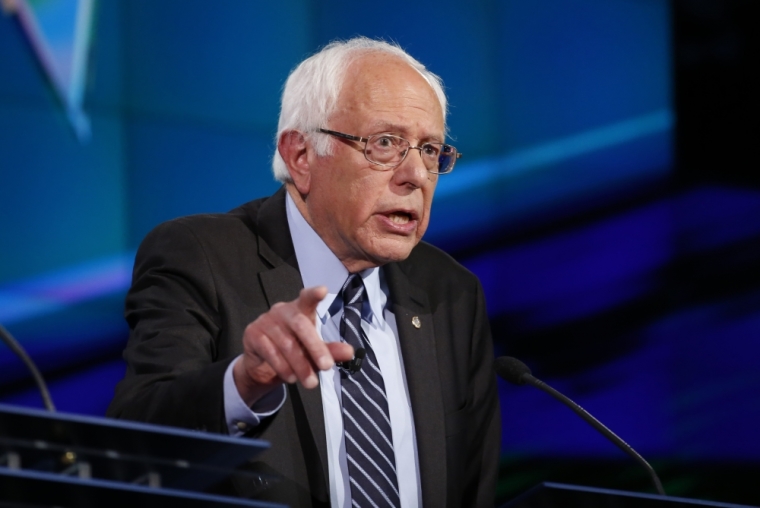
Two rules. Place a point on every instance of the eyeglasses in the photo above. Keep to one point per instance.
(388, 150)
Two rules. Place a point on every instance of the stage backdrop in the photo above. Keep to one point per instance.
(616, 282)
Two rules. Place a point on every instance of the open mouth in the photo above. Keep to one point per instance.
(401, 220)
(400, 217)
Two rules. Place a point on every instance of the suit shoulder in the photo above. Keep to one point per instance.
(430, 266)
(213, 225)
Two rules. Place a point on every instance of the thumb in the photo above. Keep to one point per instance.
(341, 351)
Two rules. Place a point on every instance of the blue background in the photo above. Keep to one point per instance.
(621, 280)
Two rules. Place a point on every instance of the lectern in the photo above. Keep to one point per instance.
(558, 495)
(63, 460)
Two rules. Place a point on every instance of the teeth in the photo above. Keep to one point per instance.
(397, 218)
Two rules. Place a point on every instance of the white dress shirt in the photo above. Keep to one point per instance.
(319, 267)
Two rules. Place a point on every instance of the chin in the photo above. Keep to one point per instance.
(393, 250)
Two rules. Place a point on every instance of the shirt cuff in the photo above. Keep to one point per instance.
(241, 418)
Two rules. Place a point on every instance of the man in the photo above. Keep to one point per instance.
(222, 340)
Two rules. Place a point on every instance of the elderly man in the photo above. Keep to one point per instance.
(374, 384)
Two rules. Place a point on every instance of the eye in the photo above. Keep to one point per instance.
(431, 150)
(385, 141)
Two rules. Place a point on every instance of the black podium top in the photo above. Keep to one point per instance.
(558, 495)
(51, 457)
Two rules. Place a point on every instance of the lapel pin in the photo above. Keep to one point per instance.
(416, 322)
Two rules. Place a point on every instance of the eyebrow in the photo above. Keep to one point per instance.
(380, 127)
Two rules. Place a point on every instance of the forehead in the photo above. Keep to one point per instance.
(381, 90)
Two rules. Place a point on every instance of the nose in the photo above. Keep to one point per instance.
(412, 170)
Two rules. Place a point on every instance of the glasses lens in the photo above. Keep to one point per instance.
(386, 149)
(446, 159)
(431, 153)
(390, 150)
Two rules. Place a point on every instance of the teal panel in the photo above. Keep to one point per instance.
(221, 62)
(181, 169)
(22, 79)
(456, 40)
(571, 66)
(105, 79)
(61, 202)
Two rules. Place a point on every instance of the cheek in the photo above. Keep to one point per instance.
(425, 219)
(354, 208)
(422, 227)
(364, 195)
(427, 204)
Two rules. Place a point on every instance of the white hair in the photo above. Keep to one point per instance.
(312, 89)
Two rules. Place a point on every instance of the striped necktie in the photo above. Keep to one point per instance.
(366, 422)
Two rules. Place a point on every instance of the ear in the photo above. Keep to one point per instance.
(293, 149)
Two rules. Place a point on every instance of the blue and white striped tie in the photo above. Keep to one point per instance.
(366, 422)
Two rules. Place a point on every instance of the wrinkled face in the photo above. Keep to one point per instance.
(370, 215)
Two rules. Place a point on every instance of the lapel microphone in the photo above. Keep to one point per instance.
(354, 365)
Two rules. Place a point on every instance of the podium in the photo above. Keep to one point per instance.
(64, 460)
(558, 495)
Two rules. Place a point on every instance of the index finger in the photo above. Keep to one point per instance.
(315, 348)
(309, 298)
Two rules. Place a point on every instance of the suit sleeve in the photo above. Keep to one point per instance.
(172, 375)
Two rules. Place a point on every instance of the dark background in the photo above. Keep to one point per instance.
(608, 200)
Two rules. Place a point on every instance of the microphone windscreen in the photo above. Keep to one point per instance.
(511, 369)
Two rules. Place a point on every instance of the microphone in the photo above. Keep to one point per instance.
(21, 353)
(516, 372)
(353, 366)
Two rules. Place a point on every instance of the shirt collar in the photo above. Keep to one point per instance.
(320, 267)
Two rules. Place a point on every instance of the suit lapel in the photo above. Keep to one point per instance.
(421, 366)
(282, 284)
(275, 244)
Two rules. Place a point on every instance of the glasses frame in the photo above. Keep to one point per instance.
(360, 139)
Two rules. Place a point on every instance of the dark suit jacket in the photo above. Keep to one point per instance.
(198, 281)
